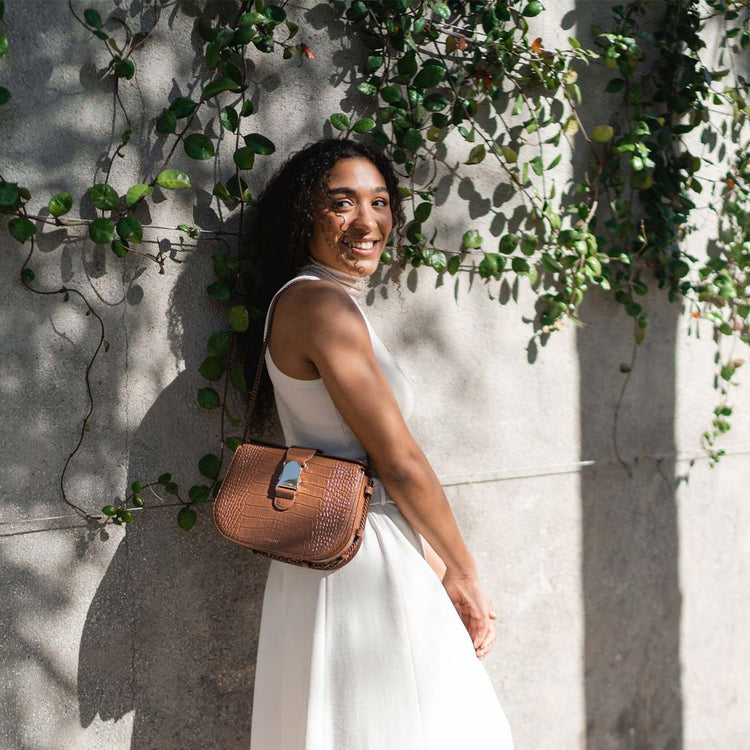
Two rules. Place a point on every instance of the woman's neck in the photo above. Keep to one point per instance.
(354, 284)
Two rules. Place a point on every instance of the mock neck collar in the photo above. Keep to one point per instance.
(354, 284)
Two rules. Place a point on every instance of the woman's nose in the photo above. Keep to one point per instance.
(364, 217)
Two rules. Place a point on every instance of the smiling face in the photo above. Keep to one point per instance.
(353, 224)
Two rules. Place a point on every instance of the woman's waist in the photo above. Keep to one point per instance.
(379, 494)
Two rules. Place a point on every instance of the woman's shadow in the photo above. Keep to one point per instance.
(171, 634)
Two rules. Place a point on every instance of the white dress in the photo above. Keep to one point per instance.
(372, 656)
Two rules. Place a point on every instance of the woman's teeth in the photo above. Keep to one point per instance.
(360, 245)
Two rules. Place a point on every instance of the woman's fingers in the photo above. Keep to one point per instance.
(485, 647)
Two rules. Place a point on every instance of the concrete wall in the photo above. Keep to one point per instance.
(622, 598)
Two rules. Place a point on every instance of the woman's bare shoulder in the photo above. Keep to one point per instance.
(317, 301)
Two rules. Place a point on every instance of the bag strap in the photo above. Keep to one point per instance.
(262, 360)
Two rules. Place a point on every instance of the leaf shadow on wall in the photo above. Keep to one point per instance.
(171, 633)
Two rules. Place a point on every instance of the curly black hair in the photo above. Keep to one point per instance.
(280, 227)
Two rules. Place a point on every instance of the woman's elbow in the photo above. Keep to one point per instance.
(401, 465)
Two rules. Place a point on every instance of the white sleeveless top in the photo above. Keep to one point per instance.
(307, 414)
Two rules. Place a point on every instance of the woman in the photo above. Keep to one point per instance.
(379, 654)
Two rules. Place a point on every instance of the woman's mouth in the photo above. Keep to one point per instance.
(362, 248)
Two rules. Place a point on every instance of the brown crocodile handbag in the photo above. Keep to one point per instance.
(293, 504)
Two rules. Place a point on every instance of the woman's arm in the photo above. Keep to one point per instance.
(334, 337)
(435, 561)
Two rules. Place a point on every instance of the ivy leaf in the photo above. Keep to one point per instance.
(534, 8)
(199, 493)
(407, 64)
(339, 121)
(60, 204)
(10, 196)
(212, 368)
(365, 125)
(508, 243)
(438, 262)
(229, 118)
(209, 466)
(233, 443)
(251, 19)
(477, 154)
(390, 94)
(602, 133)
(4, 95)
(219, 85)
(373, 62)
(571, 126)
(239, 318)
(218, 343)
(198, 146)
(528, 243)
(441, 10)
(208, 398)
(186, 518)
(422, 212)
(471, 240)
(238, 380)
(244, 157)
(537, 165)
(182, 106)
(124, 69)
(260, 144)
(413, 140)
(92, 18)
(21, 228)
(454, 264)
(490, 265)
(435, 102)
(238, 189)
(136, 192)
(219, 290)
(173, 179)
(277, 14)
(510, 155)
(104, 197)
(366, 88)
(129, 228)
(102, 231)
(120, 248)
(3, 44)
(432, 74)
(167, 122)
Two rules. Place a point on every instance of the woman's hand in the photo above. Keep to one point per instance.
(473, 608)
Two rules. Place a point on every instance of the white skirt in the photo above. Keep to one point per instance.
(372, 656)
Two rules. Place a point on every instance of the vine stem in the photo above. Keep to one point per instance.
(616, 419)
(65, 290)
(177, 140)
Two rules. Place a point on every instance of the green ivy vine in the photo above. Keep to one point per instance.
(428, 69)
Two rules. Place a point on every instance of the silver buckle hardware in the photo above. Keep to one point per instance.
(290, 476)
